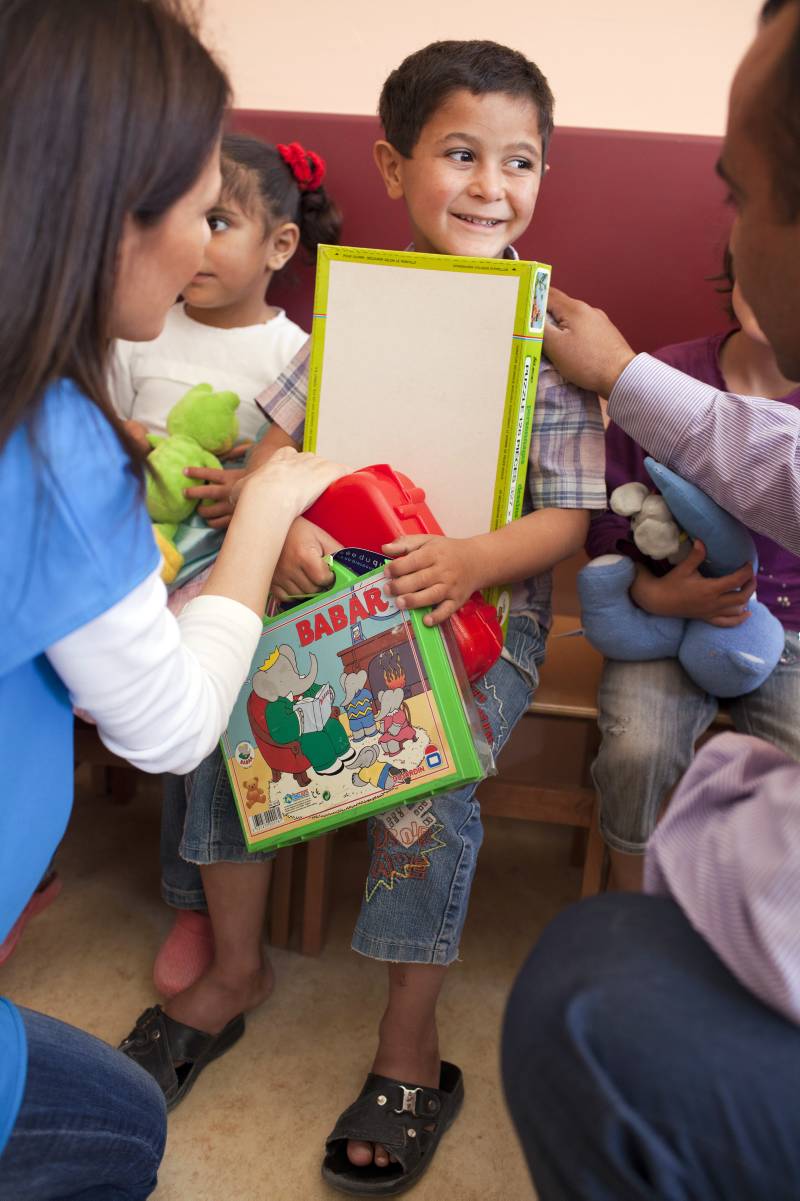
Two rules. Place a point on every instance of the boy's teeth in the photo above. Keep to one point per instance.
(479, 220)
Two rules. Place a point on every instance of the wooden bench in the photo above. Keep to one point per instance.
(567, 692)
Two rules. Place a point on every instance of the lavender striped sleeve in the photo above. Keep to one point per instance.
(728, 851)
(743, 451)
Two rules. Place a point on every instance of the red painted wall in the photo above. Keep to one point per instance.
(630, 221)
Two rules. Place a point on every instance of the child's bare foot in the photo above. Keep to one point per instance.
(220, 995)
(405, 1055)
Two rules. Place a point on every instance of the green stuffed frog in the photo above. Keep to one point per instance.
(200, 426)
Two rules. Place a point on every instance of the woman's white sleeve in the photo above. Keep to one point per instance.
(161, 689)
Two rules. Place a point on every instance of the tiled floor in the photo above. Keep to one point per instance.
(255, 1124)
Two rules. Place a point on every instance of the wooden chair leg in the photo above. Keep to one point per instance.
(315, 895)
(99, 780)
(280, 899)
(577, 851)
(594, 864)
(121, 784)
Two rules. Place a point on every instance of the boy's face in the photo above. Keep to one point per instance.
(472, 181)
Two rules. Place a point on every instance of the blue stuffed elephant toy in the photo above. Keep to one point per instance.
(723, 661)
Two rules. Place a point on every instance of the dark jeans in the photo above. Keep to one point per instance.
(92, 1124)
(637, 1067)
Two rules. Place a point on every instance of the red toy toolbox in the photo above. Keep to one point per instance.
(375, 505)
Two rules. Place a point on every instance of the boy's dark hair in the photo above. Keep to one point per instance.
(109, 109)
(255, 175)
(423, 81)
(779, 120)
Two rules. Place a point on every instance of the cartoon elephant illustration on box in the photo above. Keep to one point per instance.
(359, 705)
(291, 723)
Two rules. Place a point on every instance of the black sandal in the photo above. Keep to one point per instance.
(407, 1121)
(158, 1043)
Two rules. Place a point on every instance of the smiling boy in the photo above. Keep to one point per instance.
(466, 127)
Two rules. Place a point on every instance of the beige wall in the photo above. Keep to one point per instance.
(618, 64)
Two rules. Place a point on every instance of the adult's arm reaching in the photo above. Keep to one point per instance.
(742, 451)
(161, 690)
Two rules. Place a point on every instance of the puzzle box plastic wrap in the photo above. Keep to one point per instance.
(353, 707)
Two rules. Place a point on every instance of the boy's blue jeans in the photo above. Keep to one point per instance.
(417, 890)
(651, 715)
(92, 1124)
(637, 1068)
(420, 876)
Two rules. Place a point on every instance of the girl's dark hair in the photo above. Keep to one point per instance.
(255, 173)
(424, 81)
(108, 108)
(725, 281)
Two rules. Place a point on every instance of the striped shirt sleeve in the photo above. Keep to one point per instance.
(743, 451)
(284, 401)
(728, 851)
(567, 453)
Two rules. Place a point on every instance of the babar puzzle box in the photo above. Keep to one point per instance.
(352, 707)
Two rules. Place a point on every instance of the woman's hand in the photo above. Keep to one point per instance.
(299, 478)
(267, 500)
(305, 476)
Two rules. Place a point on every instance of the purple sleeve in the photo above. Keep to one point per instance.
(728, 851)
(608, 532)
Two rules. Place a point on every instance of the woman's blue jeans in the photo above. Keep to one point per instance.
(92, 1124)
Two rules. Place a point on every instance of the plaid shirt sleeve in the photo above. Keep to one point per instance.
(284, 401)
(566, 468)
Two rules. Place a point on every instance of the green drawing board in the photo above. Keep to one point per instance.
(429, 362)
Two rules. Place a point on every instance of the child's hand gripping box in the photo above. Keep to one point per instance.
(374, 506)
(352, 707)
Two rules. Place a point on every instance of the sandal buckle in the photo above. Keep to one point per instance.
(409, 1100)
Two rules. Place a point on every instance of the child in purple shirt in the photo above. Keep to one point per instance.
(650, 713)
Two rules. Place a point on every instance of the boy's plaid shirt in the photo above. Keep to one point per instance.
(566, 463)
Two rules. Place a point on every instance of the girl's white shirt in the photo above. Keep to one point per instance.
(147, 378)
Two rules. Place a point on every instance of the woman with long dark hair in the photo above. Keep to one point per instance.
(110, 116)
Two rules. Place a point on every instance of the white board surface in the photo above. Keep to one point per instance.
(414, 374)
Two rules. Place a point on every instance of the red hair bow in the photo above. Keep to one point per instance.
(307, 167)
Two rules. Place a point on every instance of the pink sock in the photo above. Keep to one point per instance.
(186, 953)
